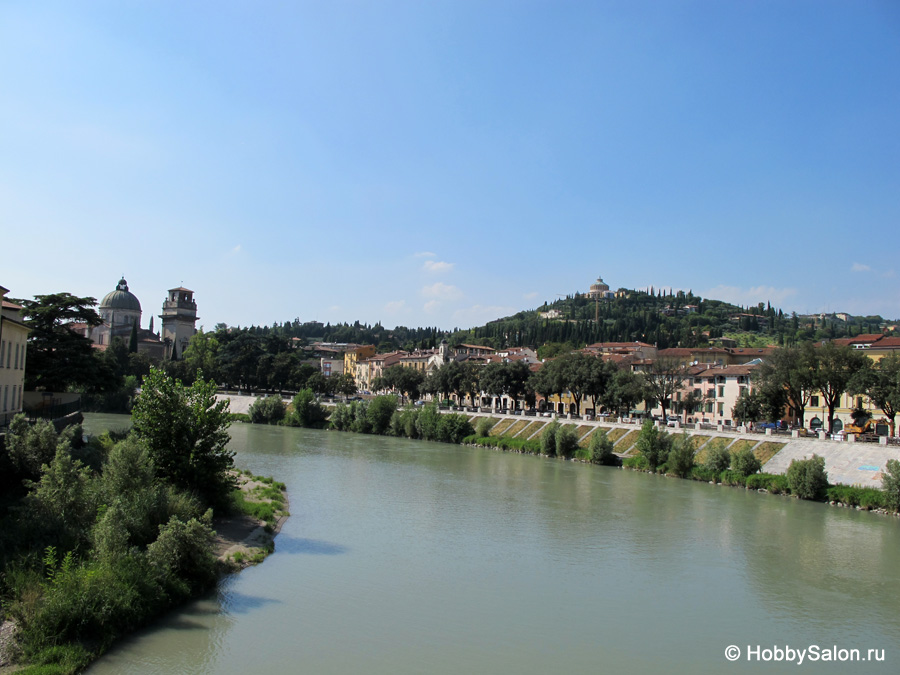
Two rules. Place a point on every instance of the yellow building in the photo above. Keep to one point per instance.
(13, 340)
(352, 358)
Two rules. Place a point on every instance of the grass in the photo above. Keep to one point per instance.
(530, 429)
(500, 427)
(616, 434)
(264, 502)
(741, 444)
(765, 451)
(627, 441)
(517, 427)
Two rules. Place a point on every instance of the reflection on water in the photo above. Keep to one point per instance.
(409, 557)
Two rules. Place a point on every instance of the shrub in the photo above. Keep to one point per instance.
(267, 410)
(681, 456)
(548, 438)
(453, 427)
(653, 444)
(867, 498)
(341, 417)
(745, 462)
(718, 459)
(638, 462)
(732, 478)
(379, 413)
(600, 449)
(360, 417)
(566, 441)
(427, 422)
(807, 478)
(182, 556)
(484, 426)
(306, 411)
(774, 483)
(890, 484)
(704, 474)
(31, 446)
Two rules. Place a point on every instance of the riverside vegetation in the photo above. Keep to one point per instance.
(658, 451)
(100, 536)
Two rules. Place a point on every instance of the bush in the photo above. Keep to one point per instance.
(341, 417)
(360, 423)
(653, 444)
(548, 438)
(703, 473)
(867, 498)
(484, 425)
(453, 427)
(681, 456)
(427, 422)
(807, 478)
(745, 462)
(306, 411)
(379, 413)
(732, 478)
(890, 485)
(267, 410)
(638, 462)
(566, 441)
(718, 459)
(600, 449)
(775, 483)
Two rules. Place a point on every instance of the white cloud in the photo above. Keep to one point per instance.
(859, 267)
(437, 267)
(890, 274)
(530, 296)
(750, 296)
(477, 315)
(395, 306)
(442, 291)
(431, 306)
(424, 254)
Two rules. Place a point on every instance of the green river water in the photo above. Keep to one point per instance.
(409, 557)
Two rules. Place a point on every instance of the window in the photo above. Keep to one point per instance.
(721, 391)
(710, 393)
(814, 401)
(709, 407)
(2, 352)
(721, 408)
(17, 356)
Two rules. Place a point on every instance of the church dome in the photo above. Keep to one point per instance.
(121, 298)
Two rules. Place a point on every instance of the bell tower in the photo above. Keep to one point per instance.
(179, 319)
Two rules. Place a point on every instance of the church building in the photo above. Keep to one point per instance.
(121, 313)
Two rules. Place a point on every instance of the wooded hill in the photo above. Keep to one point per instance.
(663, 318)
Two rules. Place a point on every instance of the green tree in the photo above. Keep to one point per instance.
(60, 359)
(718, 459)
(791, 370)
(881, 383)
(890, 484)
(744, 462)
(548, 438)
(307, 412)
(653, 443)
(748, 408)
(379, 413)
(662, 379)
(186, 433)
(267, 410)
(807, 477)
(681, 457)
(600, 449)
(836, 367)
(566, 441)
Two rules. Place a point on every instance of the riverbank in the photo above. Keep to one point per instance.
(241, 540)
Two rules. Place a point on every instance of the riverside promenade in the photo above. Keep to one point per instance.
(848, 463)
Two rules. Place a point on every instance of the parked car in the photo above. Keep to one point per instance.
(671, 420)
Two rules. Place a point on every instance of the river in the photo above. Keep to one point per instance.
(410, 557)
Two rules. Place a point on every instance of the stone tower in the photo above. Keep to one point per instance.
(179, 318)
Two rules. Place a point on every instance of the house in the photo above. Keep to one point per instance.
(13, 340)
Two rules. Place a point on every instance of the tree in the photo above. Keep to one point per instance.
(307, 412)
(744, 462)
(59, 358)
(681, 457)
(600, 449)
(625, 390)
(663, 379)
(566, 441)
(748, 408)
(836, 366)
(890, 484)
(790, 370)
(186, 432)
(881, 383)
(653, 444)
(807, 477)
(379, 413)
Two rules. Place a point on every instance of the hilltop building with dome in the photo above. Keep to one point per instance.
(121, 313)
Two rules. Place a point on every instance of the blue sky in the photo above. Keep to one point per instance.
(447, 163)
